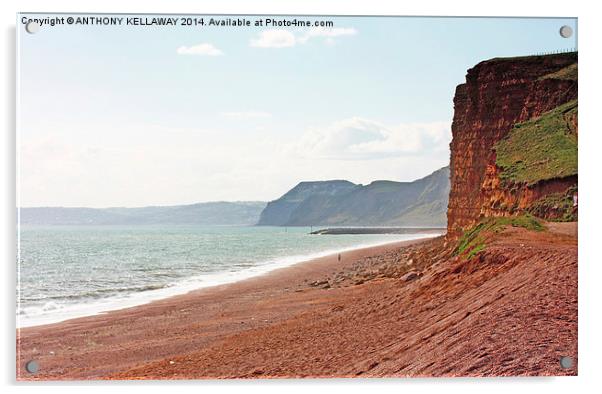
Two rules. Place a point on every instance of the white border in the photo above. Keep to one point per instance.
(589, 153)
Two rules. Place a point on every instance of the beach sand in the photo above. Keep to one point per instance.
(404, 309)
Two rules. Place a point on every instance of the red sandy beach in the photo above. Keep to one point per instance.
(403, 309)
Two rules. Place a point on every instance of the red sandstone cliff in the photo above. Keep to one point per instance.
(498, 94)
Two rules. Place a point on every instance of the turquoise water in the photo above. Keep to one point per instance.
(72, 271)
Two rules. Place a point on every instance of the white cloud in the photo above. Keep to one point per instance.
(327, 33)
(275, 38)
(139, 164)
(247, 114)
(203, 49)
(363, 139)
(281, 38)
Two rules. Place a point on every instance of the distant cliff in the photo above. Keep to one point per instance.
(210, 213)
(514, 146)
(381, 203)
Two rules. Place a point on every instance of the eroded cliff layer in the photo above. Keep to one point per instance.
(499, 94)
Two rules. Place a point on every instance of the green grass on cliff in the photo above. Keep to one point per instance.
(537, 58)
(540, 149)
(474, 240)
(569, 73)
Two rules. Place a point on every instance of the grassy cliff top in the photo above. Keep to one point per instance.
(568, 73)
(540, 149)
(574, 55)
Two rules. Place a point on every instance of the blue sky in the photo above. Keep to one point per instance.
(131, 116)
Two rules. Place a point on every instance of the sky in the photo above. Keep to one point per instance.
(141, 115)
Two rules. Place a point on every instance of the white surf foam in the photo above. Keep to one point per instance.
(54, 312)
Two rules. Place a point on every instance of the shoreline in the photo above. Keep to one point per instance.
(378, 230)
(172, 326)
(190, 285)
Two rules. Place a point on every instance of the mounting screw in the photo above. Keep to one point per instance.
(32, 366)
(32, 27)
(566, 31)
(566, 362)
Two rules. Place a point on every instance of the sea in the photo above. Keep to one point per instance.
(65, 272)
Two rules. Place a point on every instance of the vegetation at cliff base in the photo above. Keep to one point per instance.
(474, 240)
(541, 148)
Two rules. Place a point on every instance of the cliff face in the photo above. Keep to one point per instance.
(498, 95)
(502, 200)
